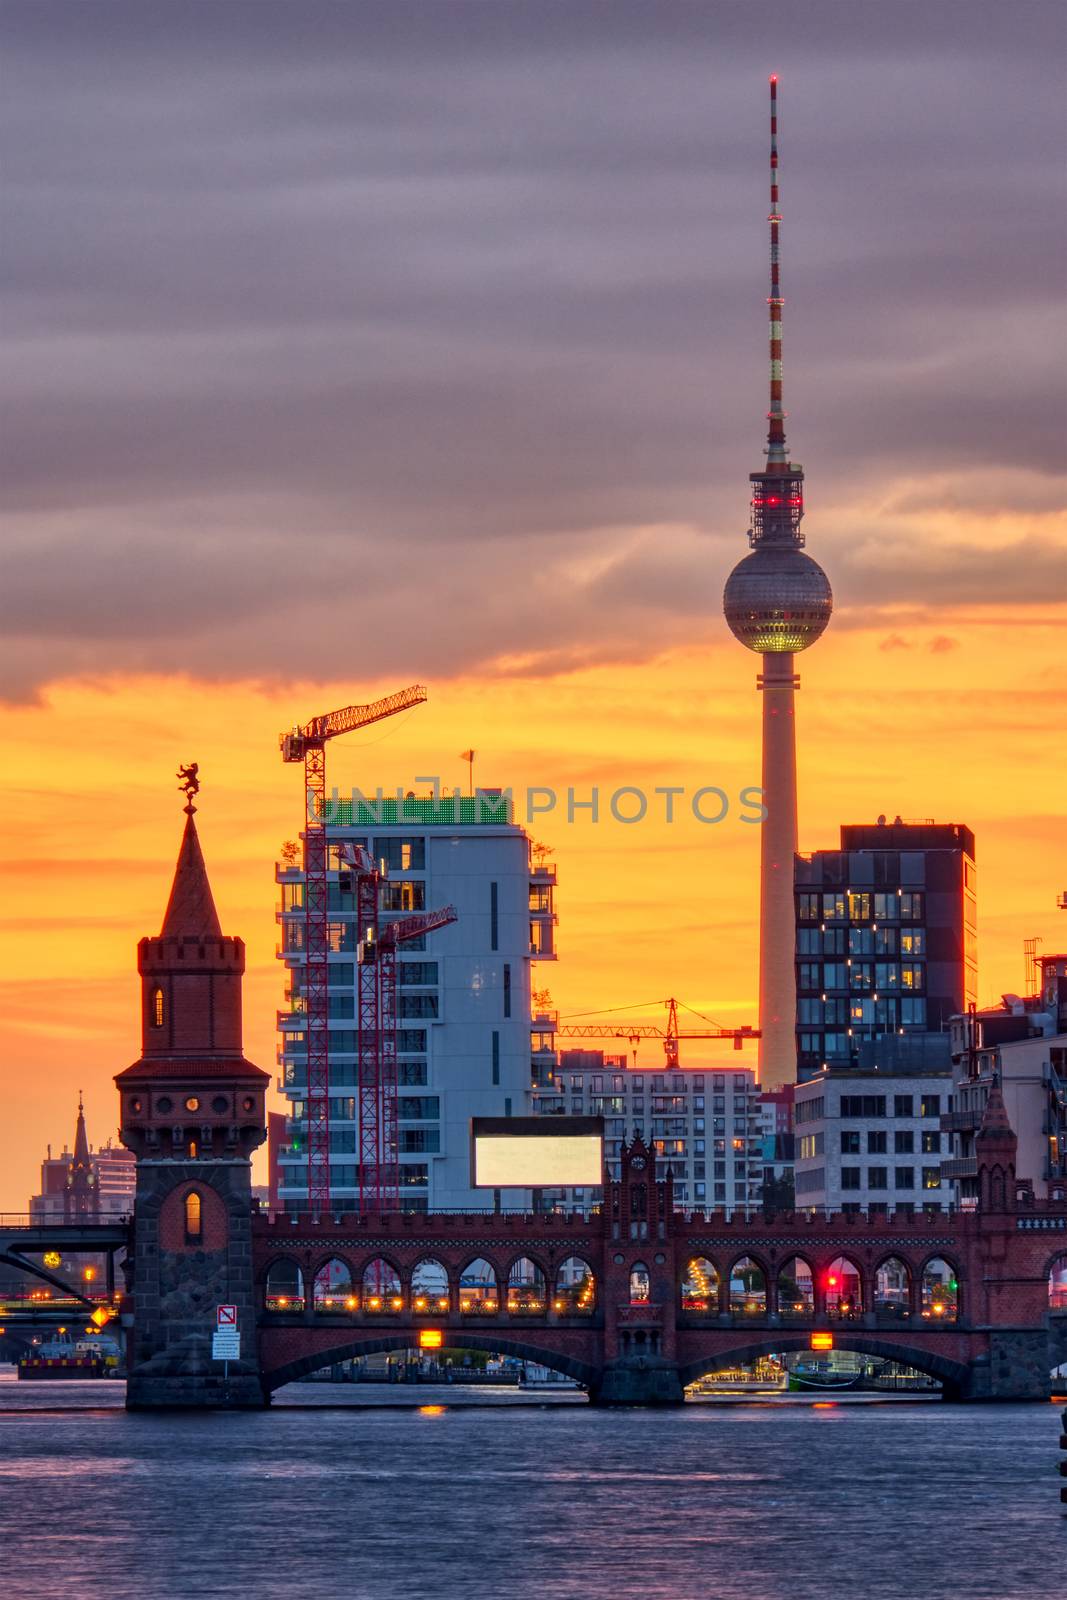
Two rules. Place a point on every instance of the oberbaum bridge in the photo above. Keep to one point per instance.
(635, 1301)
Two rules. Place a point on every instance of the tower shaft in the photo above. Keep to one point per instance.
(778, 843)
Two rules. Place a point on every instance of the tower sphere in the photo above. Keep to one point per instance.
(777, 599)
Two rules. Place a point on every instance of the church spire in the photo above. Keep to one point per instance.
(80, 1194)
(81, 1139)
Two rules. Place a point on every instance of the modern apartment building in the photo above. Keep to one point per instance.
(702, 1122)
(1022, 1044)
(871, 1142)
(885, 938)
(463, 992)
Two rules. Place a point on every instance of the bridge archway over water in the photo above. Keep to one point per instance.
(381, 1344)
(952, 1375)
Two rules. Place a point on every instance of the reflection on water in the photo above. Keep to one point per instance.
(769, 1502)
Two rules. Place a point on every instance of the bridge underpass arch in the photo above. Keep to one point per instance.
(350, 1349)
(953, 1375)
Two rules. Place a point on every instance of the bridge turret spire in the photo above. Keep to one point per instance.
(996, 1147)
(192, 1112)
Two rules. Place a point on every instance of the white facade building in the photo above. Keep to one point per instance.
(463, 995)
(702, 1122)
(872, 1142)
(1022, 1044)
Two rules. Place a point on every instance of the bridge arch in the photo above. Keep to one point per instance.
(892, 1287)
(381, 1281)
(527, 1284)
(794, 1289)
(939, 1289)
(283, 1285)
(845, 1291)
(700, 1286)
(754, 1274)
(334, 1286)
(429, 1285)
(575, 1288)
(351, 1347)
(478, 1285)
(1056, 1276)
(954, 1375)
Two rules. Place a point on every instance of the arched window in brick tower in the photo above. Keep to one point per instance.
(158, 1008)
(194, 1226)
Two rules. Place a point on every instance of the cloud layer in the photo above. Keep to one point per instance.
(435, 333)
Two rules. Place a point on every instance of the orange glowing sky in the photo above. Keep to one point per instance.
(91, 819)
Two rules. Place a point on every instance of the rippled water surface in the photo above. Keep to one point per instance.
(712, 1502)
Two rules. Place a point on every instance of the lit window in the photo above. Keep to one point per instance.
(192, 1103)
(157, 1008)
(193, 1225)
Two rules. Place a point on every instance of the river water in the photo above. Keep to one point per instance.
(511, 1498)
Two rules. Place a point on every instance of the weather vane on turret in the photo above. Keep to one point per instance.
(189, 785)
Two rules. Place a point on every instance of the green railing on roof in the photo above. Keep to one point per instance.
(386, 811)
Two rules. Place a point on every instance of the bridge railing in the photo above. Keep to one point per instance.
(22, 1219)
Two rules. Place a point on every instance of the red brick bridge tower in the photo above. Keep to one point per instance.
(192, 1111)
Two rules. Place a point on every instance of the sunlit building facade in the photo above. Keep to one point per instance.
(1022, 1045)
(702, 1123)
(886, 939)
(871, 1143)
(463, 995)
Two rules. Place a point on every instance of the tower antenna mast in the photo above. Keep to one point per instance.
(776, 450)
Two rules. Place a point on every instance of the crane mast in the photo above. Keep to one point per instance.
(308, 744)
(670, 1035)
(376, 1011)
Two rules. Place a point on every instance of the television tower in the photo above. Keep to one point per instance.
(777, 601)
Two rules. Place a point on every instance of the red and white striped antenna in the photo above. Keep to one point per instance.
(777, 455)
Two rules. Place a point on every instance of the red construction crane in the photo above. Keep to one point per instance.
(308, 744)
(379, 1144)
(669, 1035)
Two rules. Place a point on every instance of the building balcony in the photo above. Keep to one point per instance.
(543, 875)
(960, 1167)
(961, 1121)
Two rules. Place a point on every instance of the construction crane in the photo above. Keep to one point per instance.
(670, 1035)
(379, 1144)
(308, 744)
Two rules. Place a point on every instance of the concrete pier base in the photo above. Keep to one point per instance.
(641, 1381)
(1018, 1367)
(207, 1393)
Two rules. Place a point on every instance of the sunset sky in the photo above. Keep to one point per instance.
(353, 346)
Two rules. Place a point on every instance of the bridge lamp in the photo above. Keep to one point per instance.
(101, 1315)
(351, 1303)
(53, 1259)
(89, 1273)
(431, 1339)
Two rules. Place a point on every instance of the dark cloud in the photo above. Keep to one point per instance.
(439, 326)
